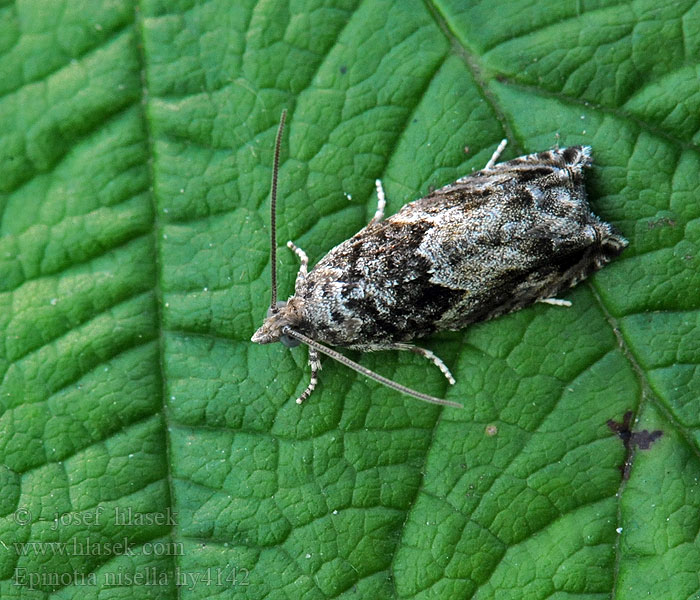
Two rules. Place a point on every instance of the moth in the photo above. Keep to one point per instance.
(492, 242)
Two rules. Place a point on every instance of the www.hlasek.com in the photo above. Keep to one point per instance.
(147, 576)
(91, 547)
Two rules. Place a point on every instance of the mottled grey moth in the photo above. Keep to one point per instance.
(490, 243)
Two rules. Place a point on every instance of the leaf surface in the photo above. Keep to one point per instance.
(148, 449)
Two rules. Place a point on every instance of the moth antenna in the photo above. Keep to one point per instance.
(365, 371)
(273, 213)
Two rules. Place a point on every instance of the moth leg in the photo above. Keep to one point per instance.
(496, 154)
(315, 365)
(555, 301)
(303, 268)
(491, 163)
(381, 203)
(436, 360)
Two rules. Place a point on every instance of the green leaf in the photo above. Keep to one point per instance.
(148, 449)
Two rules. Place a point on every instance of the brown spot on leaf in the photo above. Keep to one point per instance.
(661, 222)
(632, 439)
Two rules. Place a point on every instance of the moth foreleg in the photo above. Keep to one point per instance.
(315, 365)
(303, 267)
(381, 203)
(436, 360)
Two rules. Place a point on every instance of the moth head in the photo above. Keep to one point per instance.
(279, 316)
